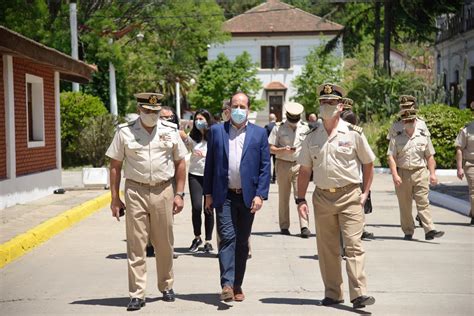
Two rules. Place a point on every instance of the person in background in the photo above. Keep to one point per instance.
(313, 120)
(196, 142)
(269, 127)
(465, 159)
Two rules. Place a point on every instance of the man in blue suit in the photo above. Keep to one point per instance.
(236, 181)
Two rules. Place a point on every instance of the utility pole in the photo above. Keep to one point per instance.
(178, 101)
(73, 26)
(112, 86)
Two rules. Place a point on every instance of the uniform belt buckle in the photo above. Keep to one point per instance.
(332, 190)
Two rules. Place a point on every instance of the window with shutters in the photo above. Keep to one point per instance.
(275, 57)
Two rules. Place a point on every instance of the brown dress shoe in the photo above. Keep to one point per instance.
(227, 294)
(239, 295)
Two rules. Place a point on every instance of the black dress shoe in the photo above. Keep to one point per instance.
(363, 301)
(408, 237)
(367, 235)
(472, 221)
(150, 251)
(168, 296)
(285, 232)
(305, 232)
(327, 301)
(135, 304)
(432, 234)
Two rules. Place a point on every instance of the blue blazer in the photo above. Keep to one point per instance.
(254, 164)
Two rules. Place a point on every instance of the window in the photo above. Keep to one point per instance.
(34, 111)
(275, 57)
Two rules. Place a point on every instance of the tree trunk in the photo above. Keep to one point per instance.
(387, 36)
(377, 28)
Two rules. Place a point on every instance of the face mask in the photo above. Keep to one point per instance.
(410, 125)
(327, 111)
(201, 124)
(238, 116)
(149, 119)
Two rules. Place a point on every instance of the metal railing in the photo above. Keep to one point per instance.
(454, 24)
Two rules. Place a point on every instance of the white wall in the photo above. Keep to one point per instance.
(300, 46)
(456, 54)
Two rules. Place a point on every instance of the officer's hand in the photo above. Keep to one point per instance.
(460, 174)
(363, 198)
(433, 179)
(397, 180)
(199, 153)
(303, 210)
(115, 206)
(256, 204)
(178, 204)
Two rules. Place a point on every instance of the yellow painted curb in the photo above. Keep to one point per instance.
(23, 243)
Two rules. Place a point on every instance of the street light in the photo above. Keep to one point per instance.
(192, 81)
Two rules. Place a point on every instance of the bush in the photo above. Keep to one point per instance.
(76, 109)
(444, 123)
(96, 137)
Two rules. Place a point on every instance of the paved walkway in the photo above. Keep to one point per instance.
(83, 270)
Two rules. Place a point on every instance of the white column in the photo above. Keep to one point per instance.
(73, 26)
(112, 90)
(57, 107)
(178, 101)
(9, 116)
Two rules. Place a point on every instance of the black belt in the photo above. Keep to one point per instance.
(158, 184)
(236, 191)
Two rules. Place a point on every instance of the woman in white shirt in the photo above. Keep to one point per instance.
(196, 142)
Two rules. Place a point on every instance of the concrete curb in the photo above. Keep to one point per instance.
(439, 172)
(23, 243)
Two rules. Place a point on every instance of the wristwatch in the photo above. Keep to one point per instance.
(298, 201)
(180, 194)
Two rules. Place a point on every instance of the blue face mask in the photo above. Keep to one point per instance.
(201, 124)
(238, 115)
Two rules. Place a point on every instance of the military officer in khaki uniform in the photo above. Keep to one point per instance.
(153, 154)
(410, 152)
(285, 143)
(336, 151)
(407, 102)
(465, 159)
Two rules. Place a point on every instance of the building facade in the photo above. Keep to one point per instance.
(278, 37)
(454, 55)
(30, 142)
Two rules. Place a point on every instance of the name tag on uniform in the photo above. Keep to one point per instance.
(345, 144)
(165, 137)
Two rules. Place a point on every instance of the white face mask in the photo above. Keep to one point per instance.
(149, 119)
(409, 125)
(327, 111)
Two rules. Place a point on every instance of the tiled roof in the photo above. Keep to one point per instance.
(274, 16)
(276, 85)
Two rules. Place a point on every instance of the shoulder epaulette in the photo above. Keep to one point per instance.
(420, 118)
(422, 132)
(303, 123)
(356, 128)
(311, 130)
(278, 123)
(169, 124)
(126, 124)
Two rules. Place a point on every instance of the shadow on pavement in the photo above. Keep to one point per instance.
(117, 256)
(401, 238)
(306, 301)
(183, 251)
(315, 257)
(206, 298)
(454, 224)
(383, 225)
(270, 234)
(111, 301)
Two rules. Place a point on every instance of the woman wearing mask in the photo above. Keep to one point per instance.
(197, 144)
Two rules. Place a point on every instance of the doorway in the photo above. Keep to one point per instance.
(276, 106)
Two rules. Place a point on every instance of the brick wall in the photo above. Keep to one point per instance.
(3, 146)
(31, 160)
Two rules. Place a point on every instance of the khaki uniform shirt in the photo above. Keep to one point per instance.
(149, 158)
(283, 135)
(411, 152)
(465, 141)
(336, 160)
(397, 127)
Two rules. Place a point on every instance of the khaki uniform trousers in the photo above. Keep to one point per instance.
(149, 215)
(469, 173)
(336, 213)
(415, 185)
(287, 177)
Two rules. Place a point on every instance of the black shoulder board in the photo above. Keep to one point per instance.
(126, 124)
(356, 128)
(312, 130)
(422, 132)
(399, 133)
(304, 123)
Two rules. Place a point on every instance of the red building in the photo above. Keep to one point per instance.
(30, 141)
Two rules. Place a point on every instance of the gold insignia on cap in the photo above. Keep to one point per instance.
(327, 89)
(153, 99)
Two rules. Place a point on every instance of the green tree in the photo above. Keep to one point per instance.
(222, 77)
(76, 109)
(320, 67)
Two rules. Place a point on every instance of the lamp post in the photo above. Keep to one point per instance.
(178, 100)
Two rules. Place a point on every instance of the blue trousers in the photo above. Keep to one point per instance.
(234, 225)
